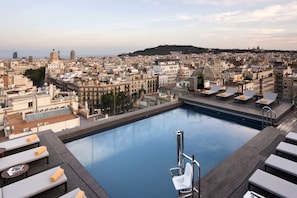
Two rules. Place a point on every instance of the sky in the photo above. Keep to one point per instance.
(111, 27)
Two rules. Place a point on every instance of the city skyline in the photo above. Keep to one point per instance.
(94, 28)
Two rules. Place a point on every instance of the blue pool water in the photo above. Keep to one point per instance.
(134, 160)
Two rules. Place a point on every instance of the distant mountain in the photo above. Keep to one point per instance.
(167, 49)
(189, 49)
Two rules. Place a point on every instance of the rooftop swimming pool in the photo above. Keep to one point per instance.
(134, 160)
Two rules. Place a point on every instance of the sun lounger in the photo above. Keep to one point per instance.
(16, 143)
(229, 92)
(23, 157)
(267, 99)
(287, 148)
(213, 90)
(73, 194)
(272, 184)
(281, 164)
(252, 194)
(247, 95)
(291, 137)
(34, 184)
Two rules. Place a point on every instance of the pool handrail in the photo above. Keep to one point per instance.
(181, 166)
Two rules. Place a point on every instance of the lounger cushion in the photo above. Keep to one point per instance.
(292, 136)
(273, 184)
(252, 194)
(287, 148)
(247, 95)
(229, 92)
(73, 194)
(33, 185)
(282, 164)
(23, 157)
(267, 99)
(18, 143)
(214, 89)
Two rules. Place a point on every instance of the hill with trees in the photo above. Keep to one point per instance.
(189, 49)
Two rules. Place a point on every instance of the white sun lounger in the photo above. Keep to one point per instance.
(214, 89)
(252, 194)
(247, 95)
(291, 136)
(22, 158)
(287, 148)
(18, 143)
(281, 164)
(272, 184)
(33, 185)
(72, 194)
(229, 92)
(267, 99)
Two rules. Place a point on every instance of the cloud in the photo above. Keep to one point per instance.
(154, 2)
(184, 18)
(272, 14)
(232, 2)
(276, 15)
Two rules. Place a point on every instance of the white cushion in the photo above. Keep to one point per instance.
(23, 157)
(291, 136)
(18, 143)
(33, 185)
(273, 184)
(287, 148)
(72, 193)
(282, 164)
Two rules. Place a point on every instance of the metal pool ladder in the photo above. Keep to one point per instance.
(179, 171)
(268, 116)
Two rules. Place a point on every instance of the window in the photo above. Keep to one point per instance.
(30, 104)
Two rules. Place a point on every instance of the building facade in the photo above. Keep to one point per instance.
(90, 92)
(72, 55)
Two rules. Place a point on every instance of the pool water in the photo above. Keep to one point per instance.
(134, 160)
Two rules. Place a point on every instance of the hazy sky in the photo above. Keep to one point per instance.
(110, 27)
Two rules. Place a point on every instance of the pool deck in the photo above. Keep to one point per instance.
(60, 156)
(228, 179)
(247, 109)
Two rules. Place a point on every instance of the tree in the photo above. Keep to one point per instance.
(200, 81)
(107, 102)
(36, 75)
(115, 104)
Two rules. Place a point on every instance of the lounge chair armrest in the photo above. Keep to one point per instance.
(174, 171)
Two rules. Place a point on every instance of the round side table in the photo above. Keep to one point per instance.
(22, 172)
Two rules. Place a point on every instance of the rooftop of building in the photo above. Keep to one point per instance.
(229, 179)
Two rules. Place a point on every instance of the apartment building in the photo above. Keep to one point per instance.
(168, 67)
(278, 71)
(31, 111)
(91, 90)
